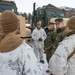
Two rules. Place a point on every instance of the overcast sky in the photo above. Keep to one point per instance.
(27, 5)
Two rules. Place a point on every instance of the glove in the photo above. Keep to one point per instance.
(46, 50)
(29, 40)
(40, 39)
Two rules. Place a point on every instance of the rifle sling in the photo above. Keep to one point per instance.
(71, 55)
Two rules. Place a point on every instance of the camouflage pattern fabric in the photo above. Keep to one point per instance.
(50, 38)
(48, 42)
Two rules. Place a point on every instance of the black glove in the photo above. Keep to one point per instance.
(40, 39)
(46, 50)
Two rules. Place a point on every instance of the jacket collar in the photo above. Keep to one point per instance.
(70, 33)
(61, 30)
(10, 42)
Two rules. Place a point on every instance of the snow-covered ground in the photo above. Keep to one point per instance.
(45, 67)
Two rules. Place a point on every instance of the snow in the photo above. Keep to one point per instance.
(45, 66)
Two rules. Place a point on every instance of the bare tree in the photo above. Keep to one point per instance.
(29, 17)
(25, 15)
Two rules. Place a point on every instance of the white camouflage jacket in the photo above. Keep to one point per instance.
(58, 63)
(36, 34)
(21, 61)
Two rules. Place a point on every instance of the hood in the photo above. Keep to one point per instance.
(10, 42)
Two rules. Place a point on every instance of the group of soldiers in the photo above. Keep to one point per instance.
(46, 40)
(49, 37)
(57, 42)
(54, 36)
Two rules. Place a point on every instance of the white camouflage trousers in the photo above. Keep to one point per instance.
(39, 53)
